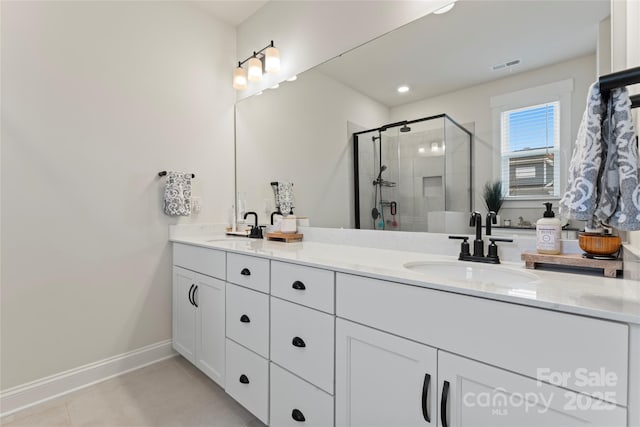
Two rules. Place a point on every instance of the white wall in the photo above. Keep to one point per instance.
(299, 133)
(473, 105)
(311, 32)
(97, 97)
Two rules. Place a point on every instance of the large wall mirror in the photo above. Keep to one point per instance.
(476, 63)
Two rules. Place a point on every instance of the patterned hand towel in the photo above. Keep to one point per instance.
(581, 196)
(177, 194)
(619, 203)
(285, 197)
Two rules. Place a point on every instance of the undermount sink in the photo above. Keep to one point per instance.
(461, 271)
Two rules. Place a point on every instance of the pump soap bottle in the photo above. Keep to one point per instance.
(548, 230)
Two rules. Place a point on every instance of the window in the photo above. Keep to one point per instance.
(530, 145)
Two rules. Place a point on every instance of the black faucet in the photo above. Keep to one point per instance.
(491, 218)
(275, 213)
(478, 244)
(256, 232)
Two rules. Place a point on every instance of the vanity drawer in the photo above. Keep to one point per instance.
(247, 318)
(302, 341)
(250, 272)
(206, 261)
(534, 342)
(294, 400)
(308, 286)
(247, 378)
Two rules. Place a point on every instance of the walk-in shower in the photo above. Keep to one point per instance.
(412, 178)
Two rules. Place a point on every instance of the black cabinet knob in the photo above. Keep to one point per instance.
(245, 319)
(298, 416)
(244, 379)
(298, 342)
(298, 285)
(245, 272)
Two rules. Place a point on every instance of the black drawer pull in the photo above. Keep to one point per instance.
(298, 416)
(190, 290)
(443, 404)
(298, 342)
(298, 285)
(245, 272)
(245, 319)
(425, 397)
(244, 379)
(195, 295)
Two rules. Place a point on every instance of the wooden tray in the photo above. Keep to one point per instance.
(285, 237)
(610, 267)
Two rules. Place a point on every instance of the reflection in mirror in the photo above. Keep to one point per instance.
(414, 176)
(454, 64)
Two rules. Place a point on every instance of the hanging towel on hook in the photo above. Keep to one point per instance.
(619, 203)
(580, 199)
(285, 197)
(177, 194)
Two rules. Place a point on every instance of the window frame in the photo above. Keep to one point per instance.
(560, 91)
(506, 155)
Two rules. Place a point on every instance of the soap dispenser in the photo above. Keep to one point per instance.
(548, 230)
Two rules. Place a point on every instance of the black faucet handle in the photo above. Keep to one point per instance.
(464, 246)
(500, 239)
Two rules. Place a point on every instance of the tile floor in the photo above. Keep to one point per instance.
(166, 394)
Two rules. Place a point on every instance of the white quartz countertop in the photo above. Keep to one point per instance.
(588, 295)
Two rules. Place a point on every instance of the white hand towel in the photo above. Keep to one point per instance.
(177, 194)
(619, 203)
(285, 197)
(581, 196)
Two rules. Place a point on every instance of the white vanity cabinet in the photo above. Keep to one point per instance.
(300, 345)
(475, 394)
(521, 349)
(247, 331)
(199, 308)
(383, 380)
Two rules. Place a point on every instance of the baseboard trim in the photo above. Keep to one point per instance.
(39, 391)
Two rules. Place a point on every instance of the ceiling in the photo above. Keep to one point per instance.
(443, 53)
(230, 11)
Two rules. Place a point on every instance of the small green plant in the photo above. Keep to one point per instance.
(493, 195)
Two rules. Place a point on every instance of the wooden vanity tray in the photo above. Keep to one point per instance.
(285, 237)
(610, 268)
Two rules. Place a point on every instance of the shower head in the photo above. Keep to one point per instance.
(405, 128)
(382, 169)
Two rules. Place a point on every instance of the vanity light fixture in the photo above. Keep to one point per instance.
(434, 147)
(266, 59)
(445, 9)
(403, 89)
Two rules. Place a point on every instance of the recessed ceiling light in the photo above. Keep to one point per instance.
(292, 79)
(403, 89)
(444, 9)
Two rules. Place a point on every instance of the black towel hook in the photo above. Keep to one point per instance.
(163, 173)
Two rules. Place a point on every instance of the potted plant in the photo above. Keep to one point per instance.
(493, 196)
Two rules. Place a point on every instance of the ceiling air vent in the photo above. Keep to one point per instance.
(505, 65)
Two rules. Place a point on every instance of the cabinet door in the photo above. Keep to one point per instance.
(210, 338)
(184, 313)
(475, 394)
(383, 380)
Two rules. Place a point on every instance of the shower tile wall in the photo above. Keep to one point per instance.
(421, 179)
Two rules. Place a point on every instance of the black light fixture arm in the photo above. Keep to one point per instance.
(255, 54)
